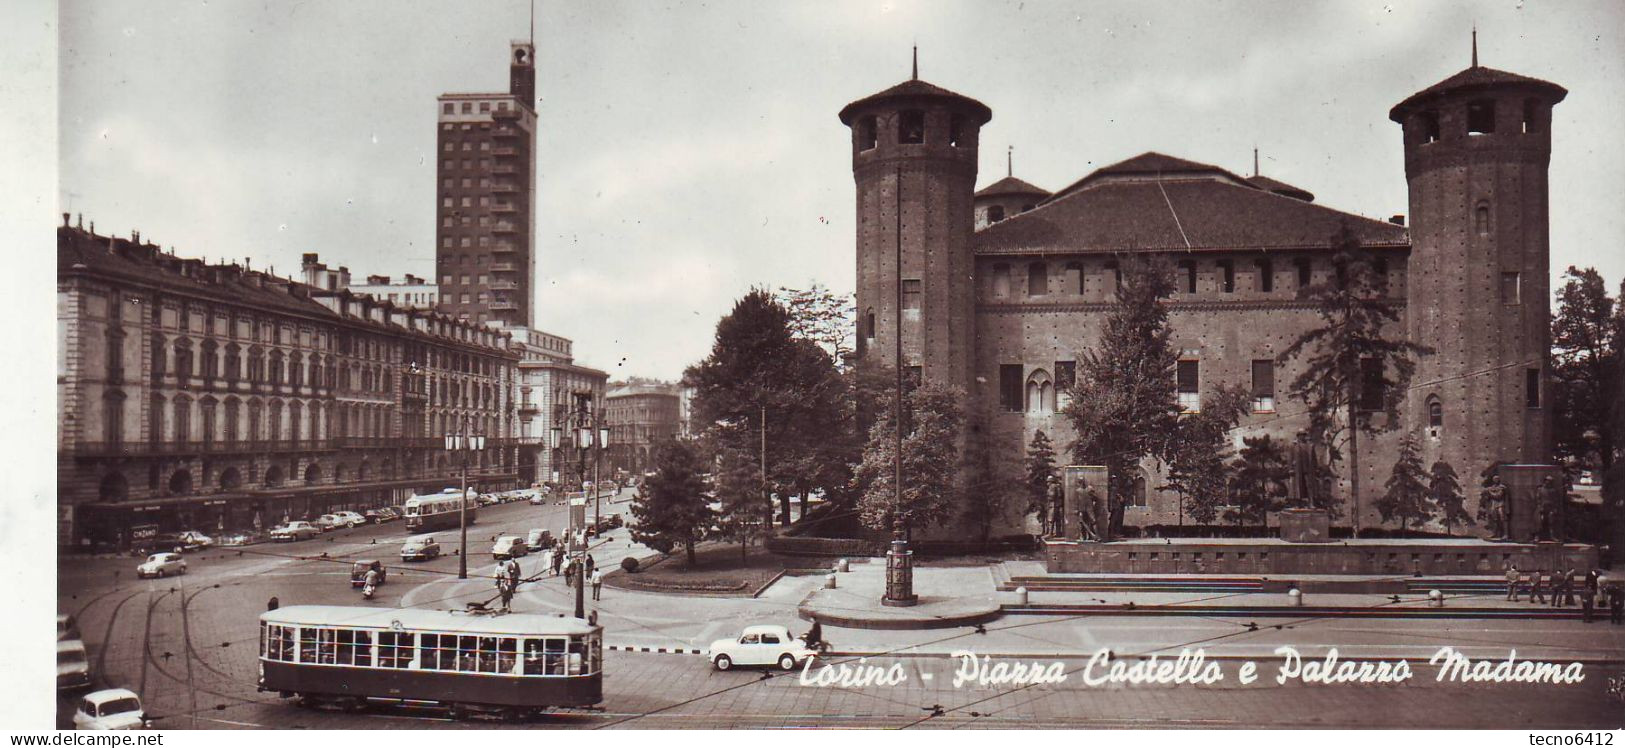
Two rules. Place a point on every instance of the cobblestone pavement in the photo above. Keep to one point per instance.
(187, 644)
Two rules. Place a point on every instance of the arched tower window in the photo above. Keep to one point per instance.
(1531, 115)
(995, 213)
(956, 130)
(911, 126)
(1136, 495)
(1037, 279)
(1481, 219)
(1040, 394)
(1481, 117)
(868, 133)
(1001, 281)
(1428, 127)
(1435, 412)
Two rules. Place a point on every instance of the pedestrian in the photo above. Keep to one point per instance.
(273, 603)
(1537, 586)
(597, 585)
(1592, 581)
(504, 590)
(558, 560)
(1568, 587)
(570, 573)
(1616, 604)
(547, 558)
(513, 570)
(1588, 601)
(590, 564)
(1557, 588)
(1512, 582)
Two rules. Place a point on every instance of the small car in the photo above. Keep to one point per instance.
(67, 627)
(538, 498)
(192, 540)
(161, 565)
(296, 530)
(538, 539)
(485, 499)
(509, 546)
(170, 541)
(419, 548)
(112, 709)
(72, 665)
(353, 519)
(330, 522)
(359, 569)
(381, 515)
(761, 645)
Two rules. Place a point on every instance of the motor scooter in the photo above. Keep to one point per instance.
(367, 590)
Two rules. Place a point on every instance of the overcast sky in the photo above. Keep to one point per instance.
(688, 151)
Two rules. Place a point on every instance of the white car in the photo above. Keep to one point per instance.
(299, 530)
(761, 645)
(72, 665)
(194, 540)
(112, 709)
(509, 546)
(161, 565)
(329, 522)
(353, 519)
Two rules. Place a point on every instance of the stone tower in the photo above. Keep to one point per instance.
(1477, 147)
(522, 73)
(914, 161)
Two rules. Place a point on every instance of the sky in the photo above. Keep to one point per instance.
(690, 151)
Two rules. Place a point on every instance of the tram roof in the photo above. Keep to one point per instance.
(416, 619)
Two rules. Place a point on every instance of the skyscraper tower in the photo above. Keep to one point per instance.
(914, 161)
(484, 245)
(1477, 146)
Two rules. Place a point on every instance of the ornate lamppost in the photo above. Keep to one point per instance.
(464, 441)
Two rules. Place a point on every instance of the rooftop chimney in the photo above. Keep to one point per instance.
(1398, 219)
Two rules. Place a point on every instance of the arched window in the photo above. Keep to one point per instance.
(1435, 412)
(1040, 393)
(160, 356)
(1427, 127)
(868, 133)
(183, 361)
(277, 370)
(995, 213)
(313, 473)
(956, 131)
(911, 126)
(273, 476)
(115, 355)
(180, 483)
(183, 419)
(231, 479)
(206, 407)
(296, 369)
(210, 362)
(1037, 279)
(234, 362)
(256, 365)
(155, 420)
(1481, 219)
(1074, 279)
(113, 417)
(1136, 495)
(296, 424)
(274, 427)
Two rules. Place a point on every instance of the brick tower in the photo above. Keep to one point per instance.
(914, 161)
(1477, 147)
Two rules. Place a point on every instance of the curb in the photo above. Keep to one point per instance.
(1294, 612)
(1602, 661)
(969, 618)
(656, 650)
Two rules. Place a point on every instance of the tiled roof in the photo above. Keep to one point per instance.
(915, 89)
(1148, 164)
(1281, 188)
(1197, 207)
(1011, 186)
(1472, 78)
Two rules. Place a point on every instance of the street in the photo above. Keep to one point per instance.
(187, 645)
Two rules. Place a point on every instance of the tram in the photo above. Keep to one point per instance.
(513, 665)
(437, 511)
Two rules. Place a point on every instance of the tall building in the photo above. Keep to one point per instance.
(640, 416)
(486, 181)
(554, 393)
(409, 292)
(1001, 291)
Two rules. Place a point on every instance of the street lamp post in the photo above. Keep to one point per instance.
(899, 560)
(580, 423)
(463, 441)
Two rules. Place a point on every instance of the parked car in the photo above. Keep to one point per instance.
(485, 499)
(760, 645)
(296, 530)
(381, 515)
(420, 548)
(67, 627)
(538, 498)
(161, 565)
(607, 522)
(72, 665)
(112, 709)
(509, 546)
(169, 541)
(359, 569)
(329, 522)
(351, 519)
(539, 539)
(192, 540)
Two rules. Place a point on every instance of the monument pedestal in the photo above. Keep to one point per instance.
(1305, 525)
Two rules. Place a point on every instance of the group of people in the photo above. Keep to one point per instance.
(1563, 590)
(555, 562)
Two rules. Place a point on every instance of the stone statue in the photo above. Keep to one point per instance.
(1302, 458)
(1087, 529)
(1498, 501)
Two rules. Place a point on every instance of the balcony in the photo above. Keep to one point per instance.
(149, 448)
(500, 152)
(504, 267)
(504, 208)
(504, 169)
(529, 408)
(504, 285)
(500, 306)
(505, 187)
(504, 248)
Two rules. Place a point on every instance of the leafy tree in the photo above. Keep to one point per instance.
(987, 493)
(1041, 477)
(933, 421)
(1350, 355)
(672, 508)
(1406, 498)
(1124, 407)
(823, 317)
(1586, 353)
(1444, 489)
(744, 505)
(1199, 453)
(1261, 475)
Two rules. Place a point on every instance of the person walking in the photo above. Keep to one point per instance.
(558, 560)
(597, 585)
(590, 564)
(1537, 586)
(1568, 587)
(1588, 602)
(1513, 578)
(1557, 588)
(504, 590)
(514, 572)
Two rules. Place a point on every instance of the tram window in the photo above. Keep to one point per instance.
(467, 653)
(279, 643)
(505, 655)
(555, 656)
(354, 647)
(488, 655)
(578, 655)
(439, 652)
(395, 649)
(307, 645)
(327, 647)
(534, 658)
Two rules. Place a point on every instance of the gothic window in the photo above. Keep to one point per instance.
(1435, 413)
(1481, 219)
(1001, 281)
(1481, 117)
(1010, 387)
(1074, 279)
(1136, 494)
(1040, 394)
(1037, 279)
(911, 126)
(868, 133)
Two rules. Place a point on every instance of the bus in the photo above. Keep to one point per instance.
(511, 665)
(437, 511)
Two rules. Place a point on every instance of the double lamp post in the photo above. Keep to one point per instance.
(464, 442)
(590, 433)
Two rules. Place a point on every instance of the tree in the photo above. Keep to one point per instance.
(744, 504)
(986, 493)
(1350, 367)
(1406, 497)
(932, 433)
(1123, 406)
(1444, 488)
(823, 317)
(1261, 474)
(672, 509)
(1586, 356)
(1041, 477)
(1199, 454)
